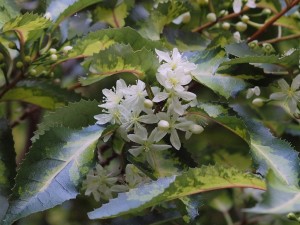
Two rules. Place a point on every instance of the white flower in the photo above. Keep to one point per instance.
(173, 62)
(48, 15)
(237, 5)
(174, 79)
(114, 96)
(135, 95)
(134, 119)
(66, 49)
(134, 177)
(146, 144)
(111, 115)
(101, 183)
(288, 94)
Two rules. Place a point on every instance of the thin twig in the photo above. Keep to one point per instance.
(12, 84)
(227, 17)
(27, 112)
(284, 38)
(272, 20)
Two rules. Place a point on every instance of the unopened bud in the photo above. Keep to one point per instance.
(240, 26)
(163, 125)
(291, 216)
(259, 102)
(226, 26)
(52, 50)
(53, 57)
(66, 49)
(245, 18)
(27, 59)
(266, 11)
(148, 104)
(12, 45)
(32, 72)
(1, 57)
(196, 129)
(211, 17)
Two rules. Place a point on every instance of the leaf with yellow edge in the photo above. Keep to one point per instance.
(121, 58)
(27, 26)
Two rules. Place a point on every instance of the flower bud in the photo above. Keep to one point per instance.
(163, 125)
(291, 216)
(240, 26)
(53, 57)
(52, 50)
(245, 18)
(259, 102)
(66, 49)
(196, 129)
(266, 12)
(1, 57)
(48, 15)
(211, 17)
(32, 72)
(226, 26)
(223, 12)
(148, 104)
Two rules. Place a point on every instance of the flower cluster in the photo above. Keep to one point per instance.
(146, 115)
(290, 95)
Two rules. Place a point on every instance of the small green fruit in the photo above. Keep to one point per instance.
(32, 72)
(19, 65)
(27, 59)
(12, 45)
(266, 11)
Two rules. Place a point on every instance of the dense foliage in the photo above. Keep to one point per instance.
(149, 112)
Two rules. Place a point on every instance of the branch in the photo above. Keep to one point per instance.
(27, 112)
(272, 20)
(12, 84)
(275, 40)
(227, 17)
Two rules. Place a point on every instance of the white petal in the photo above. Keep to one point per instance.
(160, 147)
(149, 119)
(161, 78)
(278, 96)
(237, 6)
(161, 96)
(159, 135)
(136, 151)
(103, 118)
(174, 139)
(163, 56)
(136, 138)
(283, 84)
(296, 83)
(292, 105)
(176, 55)
(185, 79)
(251, 4)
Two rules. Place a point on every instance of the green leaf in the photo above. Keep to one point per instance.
(67, 116)
(268, 151)
(8, 10)
(52, 170)
(279, 198)
(45, 95)
(100, 40)
(7, 164)
(71, 9)
(121, 58)
(115, 17)
(160, 16)
(27, 26)
(165, 189)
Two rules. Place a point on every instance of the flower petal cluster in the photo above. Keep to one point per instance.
(145, 121)
(102, 183)
(290, 95)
